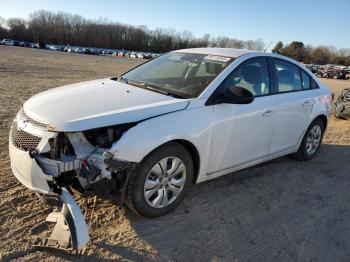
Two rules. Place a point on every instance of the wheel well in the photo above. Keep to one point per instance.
(323, 119)
(194, 154)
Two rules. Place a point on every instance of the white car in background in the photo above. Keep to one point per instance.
(8, 42)
(185, 117)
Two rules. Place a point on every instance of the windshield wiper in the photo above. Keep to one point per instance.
(122, 79)
(162, 91)
(154, 88)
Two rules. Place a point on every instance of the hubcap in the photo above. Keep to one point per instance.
(164, 182)
(313, 139)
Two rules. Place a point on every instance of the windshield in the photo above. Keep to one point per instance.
(178, 74)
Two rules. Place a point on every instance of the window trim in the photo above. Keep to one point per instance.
(276, 76)
(301, 77)
(272, 79)
(300, 68)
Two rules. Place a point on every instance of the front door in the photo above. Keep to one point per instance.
(242, 133)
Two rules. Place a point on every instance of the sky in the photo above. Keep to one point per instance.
(321, 22)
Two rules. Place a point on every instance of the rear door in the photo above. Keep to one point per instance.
(294, 104)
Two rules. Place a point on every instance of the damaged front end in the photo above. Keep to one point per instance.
(51, 163)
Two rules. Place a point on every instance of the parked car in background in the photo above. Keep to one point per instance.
(333, 73)
(24, 44)
(79, 49)
(35, 45)
(147, 56)
(312, 68)
(91, 51)
(347, 72)
(185, 117)
(155, 55)
(140, 55)
(9, 42)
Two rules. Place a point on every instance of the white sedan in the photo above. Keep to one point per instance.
(185, 117)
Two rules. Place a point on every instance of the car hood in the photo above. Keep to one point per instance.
(98, 103)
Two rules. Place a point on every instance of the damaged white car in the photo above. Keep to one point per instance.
(185, 117)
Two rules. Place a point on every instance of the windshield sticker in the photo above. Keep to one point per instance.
(217, 58)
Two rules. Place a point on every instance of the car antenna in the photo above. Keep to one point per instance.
(267, 47)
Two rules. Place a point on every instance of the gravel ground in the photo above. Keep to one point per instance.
(283, 210)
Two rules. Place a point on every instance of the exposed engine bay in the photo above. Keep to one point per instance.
(82, 158)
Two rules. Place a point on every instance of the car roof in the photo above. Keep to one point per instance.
(229, 52)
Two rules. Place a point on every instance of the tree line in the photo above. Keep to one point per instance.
(313, 55)
(63, 28)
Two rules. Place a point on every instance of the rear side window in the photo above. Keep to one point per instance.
(288, 76)
(252, 75)
(305, 80)
(314, 85)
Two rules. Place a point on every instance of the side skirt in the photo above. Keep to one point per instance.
(249, 164)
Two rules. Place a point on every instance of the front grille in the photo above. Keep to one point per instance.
(23, 140)
(22, 115)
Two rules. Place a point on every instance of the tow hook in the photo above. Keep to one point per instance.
(70, 231)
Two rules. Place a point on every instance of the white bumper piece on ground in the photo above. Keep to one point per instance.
(70, 231)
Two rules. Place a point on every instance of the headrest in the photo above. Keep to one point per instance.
(252, 74)
(285, 76)
(213, 68)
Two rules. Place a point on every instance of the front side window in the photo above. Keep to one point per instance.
(183, 75)
(288, 76)
(252, 75)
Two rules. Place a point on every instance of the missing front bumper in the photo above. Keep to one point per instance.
(37, 173)
(70, 231)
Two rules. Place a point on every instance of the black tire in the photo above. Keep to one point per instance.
(302, 153)
(135, 190)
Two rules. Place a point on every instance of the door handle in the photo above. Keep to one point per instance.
(268, 113)
(307, 103)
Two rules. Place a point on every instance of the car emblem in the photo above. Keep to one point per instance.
(21, 123)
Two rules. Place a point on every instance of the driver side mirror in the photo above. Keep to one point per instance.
(235, 95)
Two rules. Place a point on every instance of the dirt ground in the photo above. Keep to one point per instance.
(283, 210)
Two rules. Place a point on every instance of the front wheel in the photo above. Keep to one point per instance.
(311, 141)
(161, 181)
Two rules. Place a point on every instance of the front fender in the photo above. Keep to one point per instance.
(193, 125)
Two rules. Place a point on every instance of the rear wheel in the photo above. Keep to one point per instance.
(311, 141)
(161, 181)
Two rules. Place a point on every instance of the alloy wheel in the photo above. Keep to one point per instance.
(164, 182)
(313, 139)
